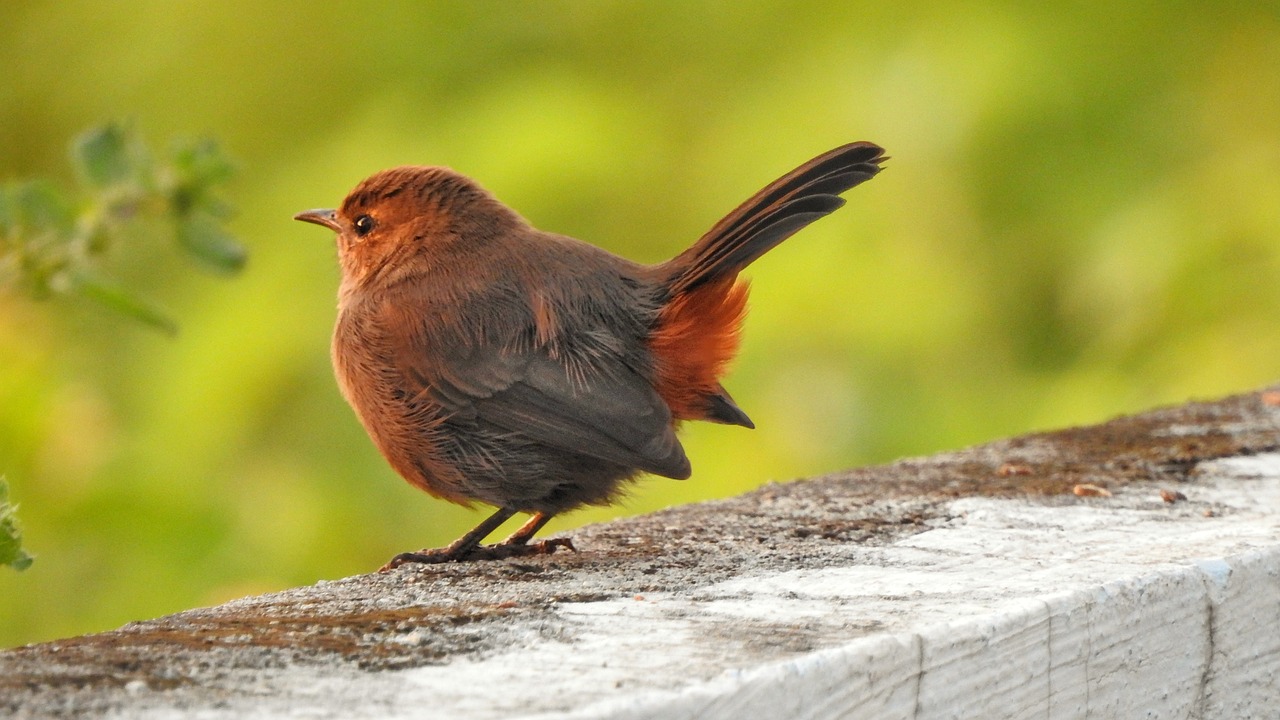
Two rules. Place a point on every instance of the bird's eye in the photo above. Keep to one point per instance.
(363, 225)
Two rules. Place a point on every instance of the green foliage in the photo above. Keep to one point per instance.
(52, 242)
(11, 552)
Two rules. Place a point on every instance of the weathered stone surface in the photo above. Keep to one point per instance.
(967, 584)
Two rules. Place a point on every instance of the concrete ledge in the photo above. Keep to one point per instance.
(973, 584)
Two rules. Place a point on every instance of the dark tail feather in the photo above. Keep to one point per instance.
(722, 409)
(772, 215)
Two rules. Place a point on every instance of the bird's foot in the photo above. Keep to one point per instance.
(478, 552)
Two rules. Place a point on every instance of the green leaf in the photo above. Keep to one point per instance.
(11, 552)
(209, 245)
(36, 227)
(37, 207)
(201, 162)
(120, 300)
(108, 155)
(197, 167)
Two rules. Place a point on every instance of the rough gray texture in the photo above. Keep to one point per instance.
(416, 616)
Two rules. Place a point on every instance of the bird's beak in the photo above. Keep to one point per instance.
(327, 218)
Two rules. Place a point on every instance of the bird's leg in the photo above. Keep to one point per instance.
(468, 546)
(521, 537)
(459, 549)
(527, 530)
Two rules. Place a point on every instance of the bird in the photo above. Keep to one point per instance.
(493, 362)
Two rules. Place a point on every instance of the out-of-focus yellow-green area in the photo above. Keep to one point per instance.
(1081, 218)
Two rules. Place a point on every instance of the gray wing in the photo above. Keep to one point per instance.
(597, 407)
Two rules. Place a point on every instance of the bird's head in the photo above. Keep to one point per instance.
(397, 216)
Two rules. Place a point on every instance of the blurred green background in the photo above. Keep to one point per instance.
(1081, 218)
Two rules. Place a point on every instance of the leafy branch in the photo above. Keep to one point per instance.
(51, 243)
(11, 552)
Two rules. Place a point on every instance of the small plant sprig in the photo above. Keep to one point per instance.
(52, 243)
(11, 552)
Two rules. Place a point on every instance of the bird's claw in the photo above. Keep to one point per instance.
(499, 551)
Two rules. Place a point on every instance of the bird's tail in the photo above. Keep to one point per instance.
(770, 216)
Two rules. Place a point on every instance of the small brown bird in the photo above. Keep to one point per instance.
(491, 361)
